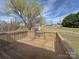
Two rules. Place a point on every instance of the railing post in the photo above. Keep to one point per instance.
(44, 36)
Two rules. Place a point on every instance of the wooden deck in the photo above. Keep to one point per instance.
(33, 49)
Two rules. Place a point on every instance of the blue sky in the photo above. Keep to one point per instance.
(53, 10)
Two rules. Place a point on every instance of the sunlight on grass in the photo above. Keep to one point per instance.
(72, 41)
(70, 29)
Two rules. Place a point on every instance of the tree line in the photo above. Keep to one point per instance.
(9, 26)
(71, 20)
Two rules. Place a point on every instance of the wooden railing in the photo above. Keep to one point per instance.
(69, 51)
(7, 38)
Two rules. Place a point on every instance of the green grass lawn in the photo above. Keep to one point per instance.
(56, 28)
(70, 29)
(72, 40)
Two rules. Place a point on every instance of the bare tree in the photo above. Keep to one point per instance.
(26, 10)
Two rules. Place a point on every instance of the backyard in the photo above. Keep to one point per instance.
(39, 29)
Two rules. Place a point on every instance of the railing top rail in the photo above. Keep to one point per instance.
(11, 32)
(16, 32)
